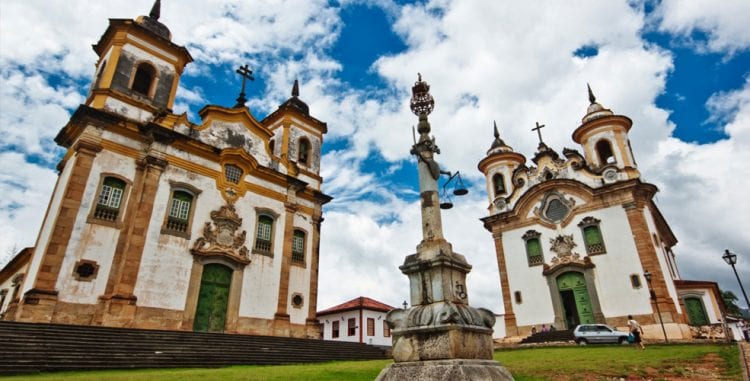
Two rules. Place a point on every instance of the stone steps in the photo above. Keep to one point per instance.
(33, 347)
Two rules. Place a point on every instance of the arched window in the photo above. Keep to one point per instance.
(498, 184)
(298, 246)
(99, 74)
(695, 311)
(604, 150)
(180, 207)
(110, 199)
(592, 236)
(264, 234)
(303, 153)
(144, 78)
(533, 248)
(271, 145)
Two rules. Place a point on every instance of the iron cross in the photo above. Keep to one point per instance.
(538, 130)
(246, 74)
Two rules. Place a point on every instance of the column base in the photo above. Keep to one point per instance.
(445, 370)
(37, 306)
(117, 311)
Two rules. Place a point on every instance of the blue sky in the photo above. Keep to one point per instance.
(679, 70)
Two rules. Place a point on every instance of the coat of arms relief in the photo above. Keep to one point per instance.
(563, 246)
(221, 237)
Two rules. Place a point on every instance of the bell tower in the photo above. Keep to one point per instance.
(139, 67)
(498, 167)
(604, 138)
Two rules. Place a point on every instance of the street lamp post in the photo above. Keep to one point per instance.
(647, 275)
(731, 259)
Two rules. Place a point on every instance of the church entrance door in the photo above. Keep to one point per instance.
(575, 299)
(211, 313)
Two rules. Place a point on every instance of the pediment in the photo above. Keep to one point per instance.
(234, 128)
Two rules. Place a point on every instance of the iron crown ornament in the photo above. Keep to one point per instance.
(422, 102)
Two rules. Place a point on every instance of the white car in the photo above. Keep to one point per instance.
(598, 333)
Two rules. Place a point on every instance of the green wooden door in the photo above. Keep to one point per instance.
(695, 311)
(575, 282)
(211, 313)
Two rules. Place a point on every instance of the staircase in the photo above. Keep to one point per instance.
(34, 347)
(549, 337)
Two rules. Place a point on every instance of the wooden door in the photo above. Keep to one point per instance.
(213, 298)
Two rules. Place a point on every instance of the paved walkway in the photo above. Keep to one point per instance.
(745, 353)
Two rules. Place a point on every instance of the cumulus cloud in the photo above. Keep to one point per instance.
(724, 24)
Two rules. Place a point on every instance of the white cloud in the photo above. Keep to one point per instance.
(724, 23)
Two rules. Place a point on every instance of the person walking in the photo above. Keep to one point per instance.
(636, 331)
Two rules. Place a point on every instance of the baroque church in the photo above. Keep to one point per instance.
(579, 239)
(159, 222)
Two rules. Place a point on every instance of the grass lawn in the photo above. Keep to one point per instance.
(657, 362)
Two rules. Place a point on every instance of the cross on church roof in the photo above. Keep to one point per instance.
(246, 74)
(538, 130)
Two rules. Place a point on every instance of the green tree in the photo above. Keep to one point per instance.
(730, 300)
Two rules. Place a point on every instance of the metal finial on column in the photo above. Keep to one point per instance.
(155, 10)
(592, 98)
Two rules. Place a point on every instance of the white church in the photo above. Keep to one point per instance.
(159, 222)
(579, 239)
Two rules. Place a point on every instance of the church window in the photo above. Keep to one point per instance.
(297, 300)
(533, 248)
(498, 184)
(556, 210)
(635, 280)
(604, 150)
(264, 234)
(110, 199)
(271, 145)
(233, 173)
(335, 329)
(351, 327)
(370, 327)
(517, 296)
(85, 270)
(303, 154)
(386, 329)
(695, 311)
(592, 236)
(100, 73)
(298, 246)
(143, 79)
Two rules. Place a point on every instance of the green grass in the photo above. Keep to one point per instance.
(526, 364)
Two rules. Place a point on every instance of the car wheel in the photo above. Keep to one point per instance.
(582, 342)
(623, 340)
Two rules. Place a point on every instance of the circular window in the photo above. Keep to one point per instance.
(556, 210)
(297, 300)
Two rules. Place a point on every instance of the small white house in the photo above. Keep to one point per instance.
(359, 320)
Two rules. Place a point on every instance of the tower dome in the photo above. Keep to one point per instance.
(151, 22)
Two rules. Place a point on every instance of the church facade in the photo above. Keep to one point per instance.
(578, 238)
(159, 222)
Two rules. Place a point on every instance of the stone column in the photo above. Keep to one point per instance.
(511, 326)
(282, 316)
(119, 302)
(650, 260)
(38, 303)
(313, 329)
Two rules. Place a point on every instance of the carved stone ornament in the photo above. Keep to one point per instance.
(221, 239)
(554, 207)
(563, 246)
(439, 314)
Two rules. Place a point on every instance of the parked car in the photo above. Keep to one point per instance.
(598, 333)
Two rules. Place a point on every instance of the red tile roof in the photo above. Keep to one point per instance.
(356, 304)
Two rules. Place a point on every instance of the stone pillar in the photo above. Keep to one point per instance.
(39, 302)
(282, 316)
(313, 329)
(650, 260)
(118, 303)
(511, 326)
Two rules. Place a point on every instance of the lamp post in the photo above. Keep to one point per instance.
(731, 259)
(647, 275)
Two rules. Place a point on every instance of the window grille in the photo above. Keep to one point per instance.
(533, 248)
(233, 174)
(298, 246)
(179, 211)
(263, 236)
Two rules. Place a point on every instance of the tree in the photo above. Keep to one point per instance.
(730, 301)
